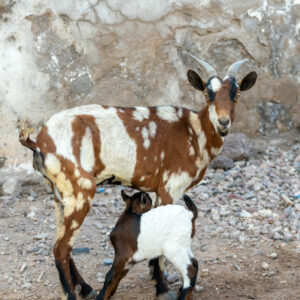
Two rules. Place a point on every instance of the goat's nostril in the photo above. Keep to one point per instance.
(224, 122)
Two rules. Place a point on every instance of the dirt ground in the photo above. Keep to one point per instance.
(227, 268)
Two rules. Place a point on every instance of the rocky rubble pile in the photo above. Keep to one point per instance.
(253, 198)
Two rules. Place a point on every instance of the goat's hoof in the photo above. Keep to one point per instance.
(170, 295)
(91, 295)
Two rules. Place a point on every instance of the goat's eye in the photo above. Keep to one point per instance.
(237, 96)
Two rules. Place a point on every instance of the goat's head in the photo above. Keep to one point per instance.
(221, 94)
(138, 203)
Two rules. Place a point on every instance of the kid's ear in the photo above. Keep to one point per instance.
(124, 196)
(145, 199)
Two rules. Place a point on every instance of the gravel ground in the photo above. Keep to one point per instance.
(247, 239)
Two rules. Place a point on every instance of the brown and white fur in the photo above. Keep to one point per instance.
(162, 149)
(141, 233)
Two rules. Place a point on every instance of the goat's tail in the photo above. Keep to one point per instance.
(191, 206)
(24, 132)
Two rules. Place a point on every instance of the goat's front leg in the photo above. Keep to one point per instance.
(113, 278)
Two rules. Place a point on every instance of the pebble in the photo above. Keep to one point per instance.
(265, 266)
(245, 214)
(204, 248)
(172, 278)
(23, 268)
(198, 288)
(41, 236)
(80, 250)
(108, 261)
(273, 255)
(286, 199)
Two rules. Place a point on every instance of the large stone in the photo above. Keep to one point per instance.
(238, 146)
(222, 162)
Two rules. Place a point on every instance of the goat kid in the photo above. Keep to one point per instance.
(162, 149)
(141, 233)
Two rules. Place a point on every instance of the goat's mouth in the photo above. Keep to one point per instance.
(223, 132)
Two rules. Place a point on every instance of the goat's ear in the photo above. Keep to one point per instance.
(124, 196)
(248, 81)
(145, 199)
(195, 80)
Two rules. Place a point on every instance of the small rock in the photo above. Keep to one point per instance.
(108, 261)
(172, 278)
(287, 237)
(273, 255)
(205, 272)
(277, 236)
(204, 248)
(23, 268)
(41, 276)
(80, 250)
(286, 199)
(245, 214)
(237, 267)
(41, 236)
(198, 288)
(265, 266)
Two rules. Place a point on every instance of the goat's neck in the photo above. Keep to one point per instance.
(214, 141)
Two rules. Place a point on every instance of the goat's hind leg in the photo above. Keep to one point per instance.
(162, 290)
(68, 273)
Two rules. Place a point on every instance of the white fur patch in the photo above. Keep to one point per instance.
(191, 151)
(213, 116)
(152, 129)
(177, 184)
(60, 232)
(145, 134)
(162, 155)
(64, 185)
(74, 224)
(77, 173)
(195, 123)
(61, 132)
(69, 204)
(215, 151)
(155, 158)
(201, 142)
(167, 113)
(87, 155)
(84, 183)
(142, 178)
(179, 113)
(79, 201)
(52, 164)
(141, 113)
(215, 84)
(165, 176)
(74, 237)
(118, 149)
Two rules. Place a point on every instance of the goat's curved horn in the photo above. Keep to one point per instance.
(233, 69)
(207, 68)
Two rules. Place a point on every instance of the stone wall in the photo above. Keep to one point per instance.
(58, 54)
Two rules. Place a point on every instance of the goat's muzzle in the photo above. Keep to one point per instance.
(223, 126)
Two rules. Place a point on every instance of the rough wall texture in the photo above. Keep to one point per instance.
(58, 54)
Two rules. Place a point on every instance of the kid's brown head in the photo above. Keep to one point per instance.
(138, 203)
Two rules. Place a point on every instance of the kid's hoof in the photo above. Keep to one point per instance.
(91, 295)
(170, 295)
